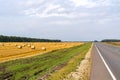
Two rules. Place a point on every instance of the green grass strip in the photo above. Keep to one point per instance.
(71, 65)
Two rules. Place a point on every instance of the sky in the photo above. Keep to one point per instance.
(67, 20)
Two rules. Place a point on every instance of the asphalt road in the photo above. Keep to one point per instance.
(105, 62)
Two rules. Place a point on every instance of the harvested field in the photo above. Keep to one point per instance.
(114, 43)
(11, 51)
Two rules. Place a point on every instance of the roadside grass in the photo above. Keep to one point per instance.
(34, 67)
(71, 65)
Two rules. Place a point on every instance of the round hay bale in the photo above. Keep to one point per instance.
(29, 45)
(16, 45)
(2, 44)
(32, 47)
(19, 47)
(43, 48)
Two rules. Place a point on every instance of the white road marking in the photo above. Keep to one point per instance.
(112, 75)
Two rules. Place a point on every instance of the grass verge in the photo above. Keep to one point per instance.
(71, 65)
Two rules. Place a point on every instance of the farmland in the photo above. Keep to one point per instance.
(114, 43)
(36, 67)
(11, 51)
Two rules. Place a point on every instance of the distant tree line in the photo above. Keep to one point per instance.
(24, 39)
(110, 40)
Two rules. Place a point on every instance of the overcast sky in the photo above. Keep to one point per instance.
(75, 20)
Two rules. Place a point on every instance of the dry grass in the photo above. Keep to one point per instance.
(114, 43)
(10, 51)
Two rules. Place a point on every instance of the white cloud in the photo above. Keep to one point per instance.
(63, 22)
(61, 9)
(59, 13)
(30, 3)
(50, 10)
(91, 3)
(107, 3)
(84, 3)
(30, 11)
(45, 15)
(51, 7)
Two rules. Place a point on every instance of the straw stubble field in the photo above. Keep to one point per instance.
(11, 51)
(114, 43)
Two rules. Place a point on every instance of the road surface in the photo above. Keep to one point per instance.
(105, 62)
